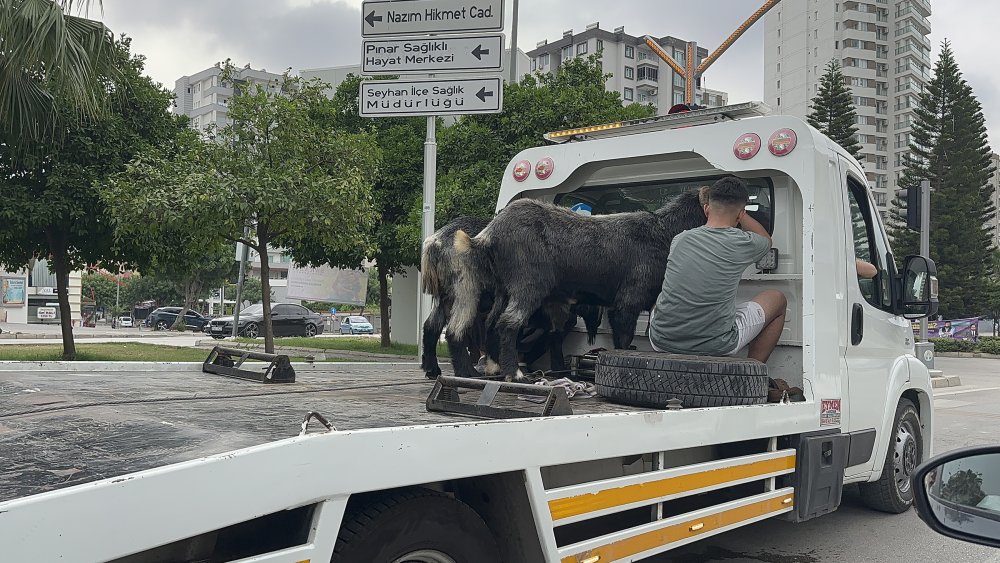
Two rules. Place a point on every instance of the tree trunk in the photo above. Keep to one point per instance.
(265, 287)
(60, 261)
(191, 289)
(383, 298)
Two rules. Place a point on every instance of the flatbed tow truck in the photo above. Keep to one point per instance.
(189, 466)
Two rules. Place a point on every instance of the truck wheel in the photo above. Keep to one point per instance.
(650, 379)
(893, 492)
(414, 526)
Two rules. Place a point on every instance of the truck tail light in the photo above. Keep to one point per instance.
(782, 142)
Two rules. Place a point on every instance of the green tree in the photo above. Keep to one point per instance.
(963, 487)
(475, 151)
(53, 69)
(833, 110)
(397, 190)
(279, 175)
(103, 288)
(194, 272)
(51, 205)
(950, 149)
(149, 287)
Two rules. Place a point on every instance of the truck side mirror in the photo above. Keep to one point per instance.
(919, 297)
(956, 494)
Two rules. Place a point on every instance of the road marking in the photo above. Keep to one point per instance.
(947, 393)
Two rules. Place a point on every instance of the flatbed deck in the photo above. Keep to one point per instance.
(59, 429)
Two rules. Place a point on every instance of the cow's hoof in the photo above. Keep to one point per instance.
(432, 373)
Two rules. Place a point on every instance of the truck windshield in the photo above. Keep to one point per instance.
(650, 196)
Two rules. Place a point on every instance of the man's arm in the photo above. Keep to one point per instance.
(748, 223)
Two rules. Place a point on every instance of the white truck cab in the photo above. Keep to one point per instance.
(194, 468)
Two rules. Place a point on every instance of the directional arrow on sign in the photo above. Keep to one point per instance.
(478, 52)
(483, 94)
(372, 18)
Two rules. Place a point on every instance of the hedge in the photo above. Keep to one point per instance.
(986, 345)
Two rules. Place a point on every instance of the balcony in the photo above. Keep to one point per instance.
(649, 59)
(914, 51)
(915, 70)
(922, 6)
(909, 13)
(647, 85)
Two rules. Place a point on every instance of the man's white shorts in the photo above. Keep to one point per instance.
(750, 321)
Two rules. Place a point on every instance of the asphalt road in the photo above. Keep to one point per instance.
(964, 416)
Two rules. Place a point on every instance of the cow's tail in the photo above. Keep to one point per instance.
(434, 266)
(472, 272)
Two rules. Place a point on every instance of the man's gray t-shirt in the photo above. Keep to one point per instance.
(696, 310)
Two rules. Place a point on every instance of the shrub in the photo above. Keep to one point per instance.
(951, 345)
(989, 345)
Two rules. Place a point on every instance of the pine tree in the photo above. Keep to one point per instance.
(833, 110)
(949, 148)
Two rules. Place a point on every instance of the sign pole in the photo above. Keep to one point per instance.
(513, 46)
(430, 183)
(239, 283)
(925, 237)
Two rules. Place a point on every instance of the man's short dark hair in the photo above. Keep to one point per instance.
(730, 192)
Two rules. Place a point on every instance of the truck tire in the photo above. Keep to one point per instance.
(650, 379)
(893, 492)
(414, 525)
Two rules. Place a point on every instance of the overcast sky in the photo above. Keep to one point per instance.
(182, 37)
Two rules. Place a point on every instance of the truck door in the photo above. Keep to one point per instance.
(876, 335)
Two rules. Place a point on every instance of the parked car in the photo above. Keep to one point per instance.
(356, 325)
(125, 321)
(163, 318)
(286, 320)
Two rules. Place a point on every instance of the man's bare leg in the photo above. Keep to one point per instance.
(774, 303)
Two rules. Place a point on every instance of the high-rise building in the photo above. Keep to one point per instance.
(203, 97)
(636, 71)
(884, 49)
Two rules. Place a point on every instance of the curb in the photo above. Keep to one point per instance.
(967, 355)
(46, 336)
(945, 381)
(159, 367)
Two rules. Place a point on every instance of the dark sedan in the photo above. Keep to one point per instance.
(164, 317)
(286, 320)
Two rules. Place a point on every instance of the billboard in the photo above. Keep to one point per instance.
(331, 285)
(959, 329)
(13, 292)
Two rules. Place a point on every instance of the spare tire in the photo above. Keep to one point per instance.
(650, 379)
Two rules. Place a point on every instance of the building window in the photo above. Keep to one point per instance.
(629, 52)
(543, 60)
(646, 73)
(779, 49)
(600, 45)
(567, 52)
(534, 64)
(779, 32)
(779, 67)
(581, 49)
(779, 85)
(678, 97)
(630, 73)
(627, 94)
(779, 101)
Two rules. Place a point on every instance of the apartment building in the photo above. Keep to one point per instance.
(636, 71)
(884, 49)
(204, 98)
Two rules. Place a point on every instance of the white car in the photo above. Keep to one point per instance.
(126, 322)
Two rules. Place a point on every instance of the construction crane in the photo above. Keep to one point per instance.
(692, 71)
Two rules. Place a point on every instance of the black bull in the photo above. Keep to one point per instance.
(533, 253)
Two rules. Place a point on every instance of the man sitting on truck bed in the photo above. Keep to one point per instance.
(696, 311)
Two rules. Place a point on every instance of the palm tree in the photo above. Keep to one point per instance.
(47, 54)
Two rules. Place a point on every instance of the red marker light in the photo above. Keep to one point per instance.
(747, 146)
(782, 142)
(544, 168)
(522, 170)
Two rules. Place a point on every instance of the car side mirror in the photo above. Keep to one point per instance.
(918, 288)
(957, 494)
